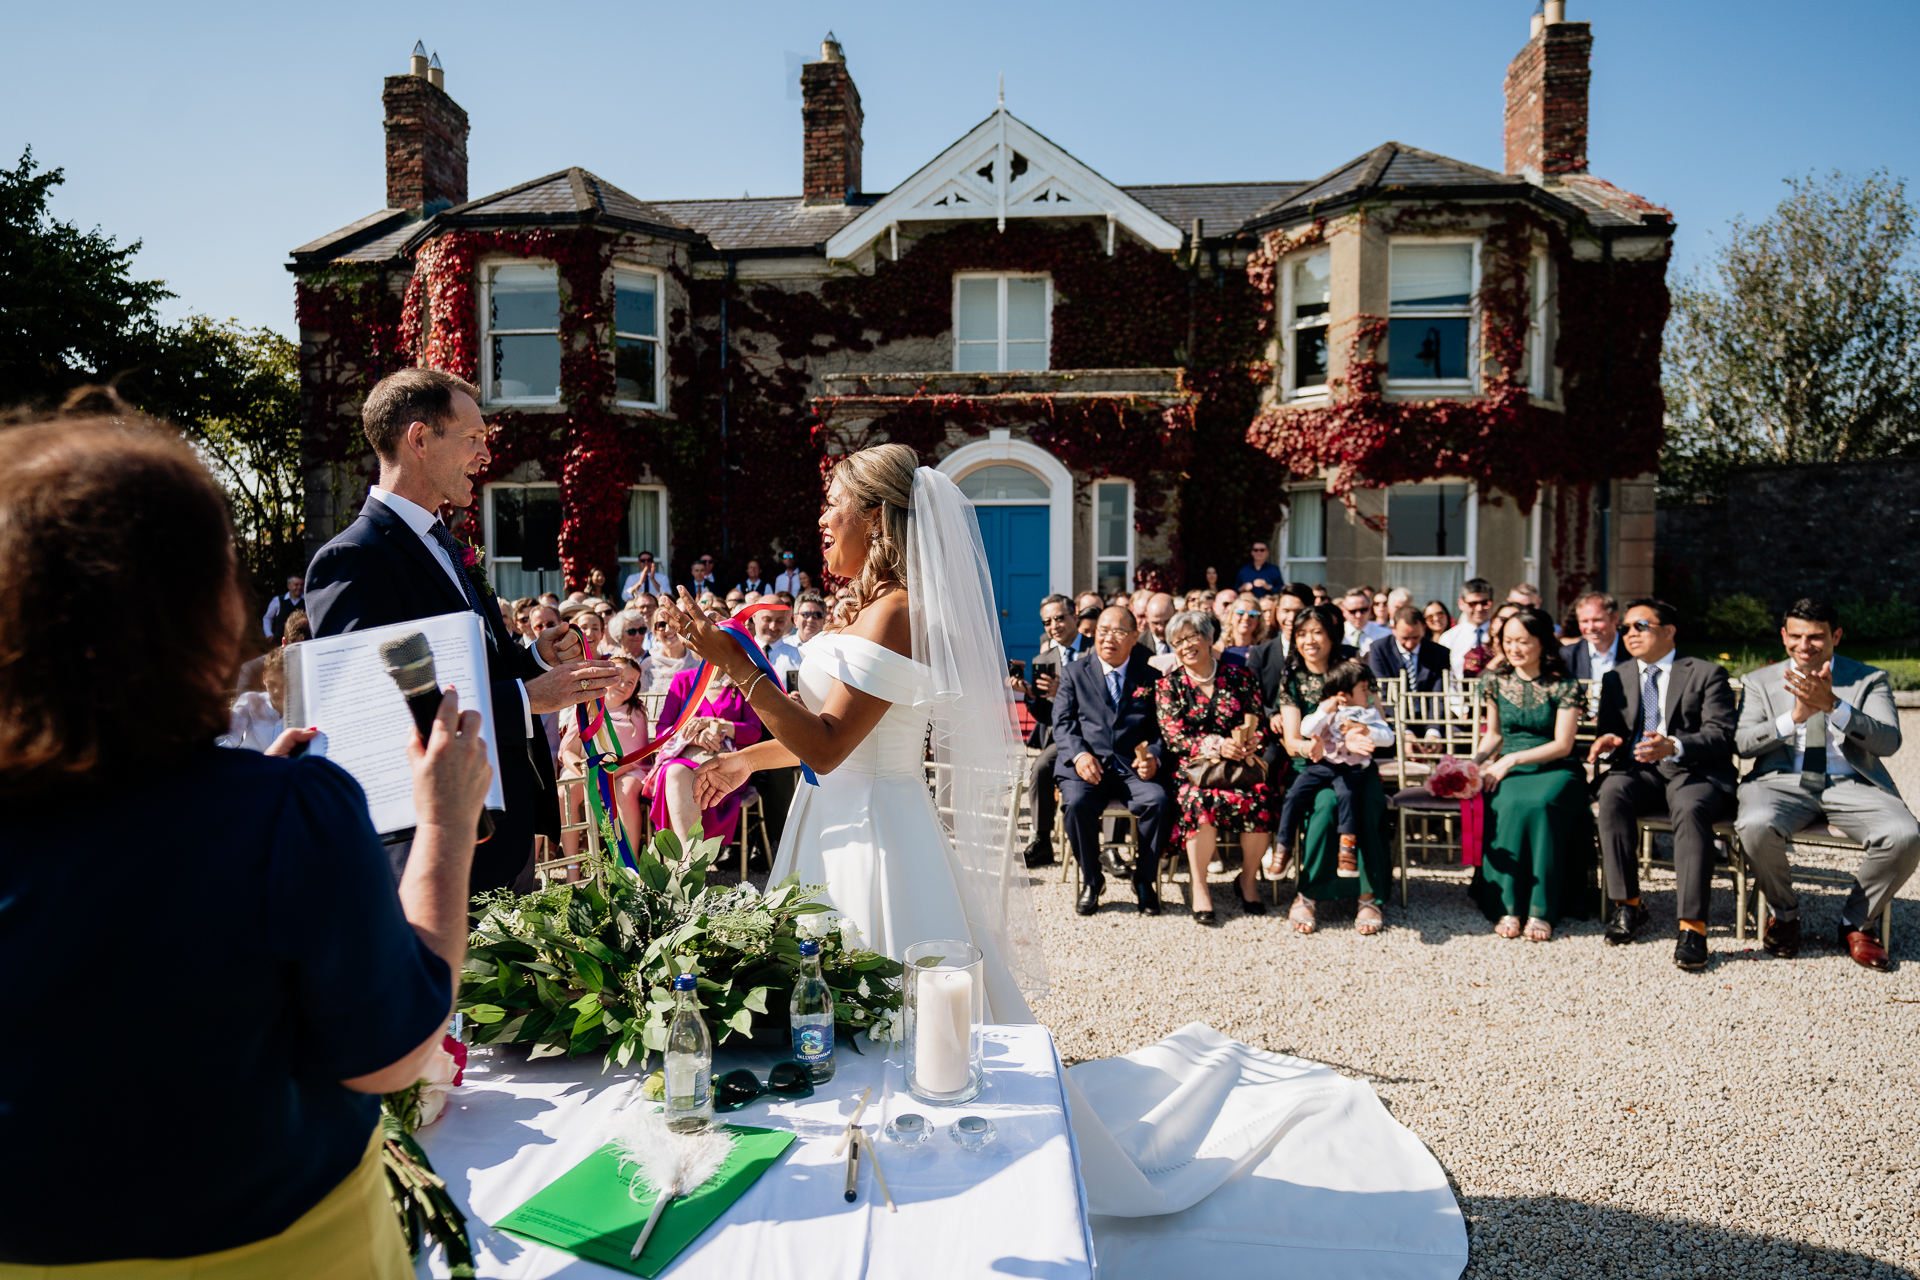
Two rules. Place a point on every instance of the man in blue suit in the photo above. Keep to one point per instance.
(1600, 647)
(1103, 711)
(396, 562)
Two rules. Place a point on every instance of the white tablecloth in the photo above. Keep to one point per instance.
(1015, 1209)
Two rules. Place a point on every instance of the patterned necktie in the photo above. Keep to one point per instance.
(1407, 656)
(1479, 635)
(1650, 703)
(1113, 689)
(1813, 763)
(446, 543)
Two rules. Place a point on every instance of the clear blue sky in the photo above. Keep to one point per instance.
(222, 135)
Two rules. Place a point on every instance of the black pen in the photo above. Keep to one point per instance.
(853, 1171)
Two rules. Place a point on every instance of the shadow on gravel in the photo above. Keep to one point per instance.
(1554, 1236)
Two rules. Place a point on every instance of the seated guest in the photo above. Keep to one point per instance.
(809, 617)
(1266, 660)
(1666, 732)
(1260, 577)
(1382, 611)
(1300, 690)
(1409, 653)
(1246, 627)
(1819, 729)
(627, 716)
(1201, 703)
(1527, 594)
(255, 721)
(264, 1142)
(1223, 607)
(1345, 731)
(1159, 612)
(670, 654)
(1056, 651)
(722, 722)
(754, 584)
(1102, 712)
(644, 579)
(1539, 831)
(1438, 620)
(1360, 630)
(1472, 631)
(1600, 647)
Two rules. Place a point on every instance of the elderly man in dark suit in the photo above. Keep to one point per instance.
(1666, 732)
(1103, 712)
(1819, 728)
(396, 562)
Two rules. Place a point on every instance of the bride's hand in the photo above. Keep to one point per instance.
(719, 778)
(700, 634)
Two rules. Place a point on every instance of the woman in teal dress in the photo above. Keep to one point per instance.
(1317, 650)
(1538, 856)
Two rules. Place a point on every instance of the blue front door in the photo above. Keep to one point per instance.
(1016, 542)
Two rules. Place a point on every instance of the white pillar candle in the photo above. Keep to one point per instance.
(943, 1033)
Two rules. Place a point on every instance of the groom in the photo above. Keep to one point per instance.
(1103, 711)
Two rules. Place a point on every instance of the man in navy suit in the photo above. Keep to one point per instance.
(1599, 648)
(1103, 710)
(396, 562)
(1409, 653)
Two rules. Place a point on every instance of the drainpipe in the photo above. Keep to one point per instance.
(1606, 389)
(726, 404)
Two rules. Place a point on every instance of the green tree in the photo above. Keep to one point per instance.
(1802, 343)
(70, 311)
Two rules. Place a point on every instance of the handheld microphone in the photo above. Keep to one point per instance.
(409, 660)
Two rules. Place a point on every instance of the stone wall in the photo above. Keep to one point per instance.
(1835, 529)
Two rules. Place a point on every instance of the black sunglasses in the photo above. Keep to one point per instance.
(1641, 624)
(636, 631)
(736, 1089)
(812, 613)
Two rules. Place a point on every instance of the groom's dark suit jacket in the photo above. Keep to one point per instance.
(377, 572)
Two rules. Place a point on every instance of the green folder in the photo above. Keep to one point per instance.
(588, 1211)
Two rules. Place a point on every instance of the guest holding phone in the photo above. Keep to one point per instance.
(1063, 643)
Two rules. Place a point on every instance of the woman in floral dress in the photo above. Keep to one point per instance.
(1539, 854)
(1201, 702)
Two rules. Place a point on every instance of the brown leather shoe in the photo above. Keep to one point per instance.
(1864, 948)
(1782, 938)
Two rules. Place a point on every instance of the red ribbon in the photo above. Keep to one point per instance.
(703, 677)
(1473, 823)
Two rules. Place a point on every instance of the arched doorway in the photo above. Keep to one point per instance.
(1024, 500)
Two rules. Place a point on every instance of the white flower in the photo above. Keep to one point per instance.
(862, 989)
(440, 1069)
(886, 1029)
(814, 926)
(433, 1100)
(849, 934)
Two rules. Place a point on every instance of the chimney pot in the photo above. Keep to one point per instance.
(417, 65)
(831, 122)
(436, 74)
(1556, 12)
(1538, 21)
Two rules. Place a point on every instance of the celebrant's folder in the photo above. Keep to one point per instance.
(589, 1211)
(340, 686)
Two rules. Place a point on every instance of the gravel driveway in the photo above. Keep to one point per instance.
(1599, 1112)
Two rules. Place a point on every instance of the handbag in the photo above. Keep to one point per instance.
(1229, 775)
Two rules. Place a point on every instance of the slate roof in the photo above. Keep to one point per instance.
(763, 222)
(1223, 206)
(571, 195)
(352, 242)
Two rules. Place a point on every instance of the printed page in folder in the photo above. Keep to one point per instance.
(340, 686)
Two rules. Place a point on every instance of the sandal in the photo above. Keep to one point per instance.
(1277, 859)
(1368, 919)
(1206, 917)
(1509, 927)
(1538, 930)
(1300, 915)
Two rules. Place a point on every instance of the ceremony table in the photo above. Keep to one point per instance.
(1017, 1208)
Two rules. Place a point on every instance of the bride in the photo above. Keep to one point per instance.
(922, 652)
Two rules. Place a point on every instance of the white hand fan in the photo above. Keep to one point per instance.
(672, 1164)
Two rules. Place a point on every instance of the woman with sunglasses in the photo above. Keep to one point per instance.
(670, 653)
(921, 654)
(1246, 627)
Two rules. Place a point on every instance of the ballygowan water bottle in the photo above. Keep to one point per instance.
(689, 1062)
(812, 1016)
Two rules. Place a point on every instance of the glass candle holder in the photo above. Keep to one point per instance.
(945, 999)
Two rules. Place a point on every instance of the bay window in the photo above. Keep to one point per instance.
(521, 348)
(1309, 288)
(637, 365)
(1002, 323)
(1430, 297)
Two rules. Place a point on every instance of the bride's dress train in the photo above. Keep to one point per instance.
(869, 831)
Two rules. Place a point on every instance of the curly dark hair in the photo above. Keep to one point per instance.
(99, 514)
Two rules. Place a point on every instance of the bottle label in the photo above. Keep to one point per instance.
(813, 1043)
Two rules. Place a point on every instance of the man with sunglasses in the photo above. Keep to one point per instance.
(810, 617)
(788, 579)
(1361, 630)
(1260, 577)
(1474, 627)
(643, 579)
(1666, 734)
(701, 581)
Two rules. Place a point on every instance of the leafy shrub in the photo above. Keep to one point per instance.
(589, 967)
(1740, 617)
(1893, 619)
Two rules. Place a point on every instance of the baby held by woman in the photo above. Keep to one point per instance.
(1345, 731)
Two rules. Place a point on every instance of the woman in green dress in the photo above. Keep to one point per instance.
(1317, 650)
(1538, 855)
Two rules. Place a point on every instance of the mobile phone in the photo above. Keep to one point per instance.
(793, 679)
(1041, 669)
(1017, 668)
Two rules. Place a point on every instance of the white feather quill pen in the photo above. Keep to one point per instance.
(671, 1164)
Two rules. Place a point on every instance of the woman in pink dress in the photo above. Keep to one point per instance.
(723, 722)
(628, 717)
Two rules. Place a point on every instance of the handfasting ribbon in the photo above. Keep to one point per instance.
(703, 677)
(1473, 818)
(602, 762)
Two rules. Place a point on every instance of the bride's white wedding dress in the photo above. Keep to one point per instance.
(869, 832)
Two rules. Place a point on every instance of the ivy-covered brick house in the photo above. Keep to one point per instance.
(1411, 370)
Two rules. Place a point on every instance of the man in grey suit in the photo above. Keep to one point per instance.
(1666, 731)
(1818, 728)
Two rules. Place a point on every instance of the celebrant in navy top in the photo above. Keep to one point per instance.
(209, 974)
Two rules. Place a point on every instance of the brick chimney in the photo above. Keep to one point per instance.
(1547, 97)
(830, 118)
(426, 139)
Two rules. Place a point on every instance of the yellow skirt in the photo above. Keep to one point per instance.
(350, 1235)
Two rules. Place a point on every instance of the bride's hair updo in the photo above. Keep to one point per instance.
(882, 477)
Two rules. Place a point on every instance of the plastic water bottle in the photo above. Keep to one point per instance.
(812, 1009)
(689, 1062)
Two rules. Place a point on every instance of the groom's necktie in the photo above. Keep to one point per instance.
(445, 541)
